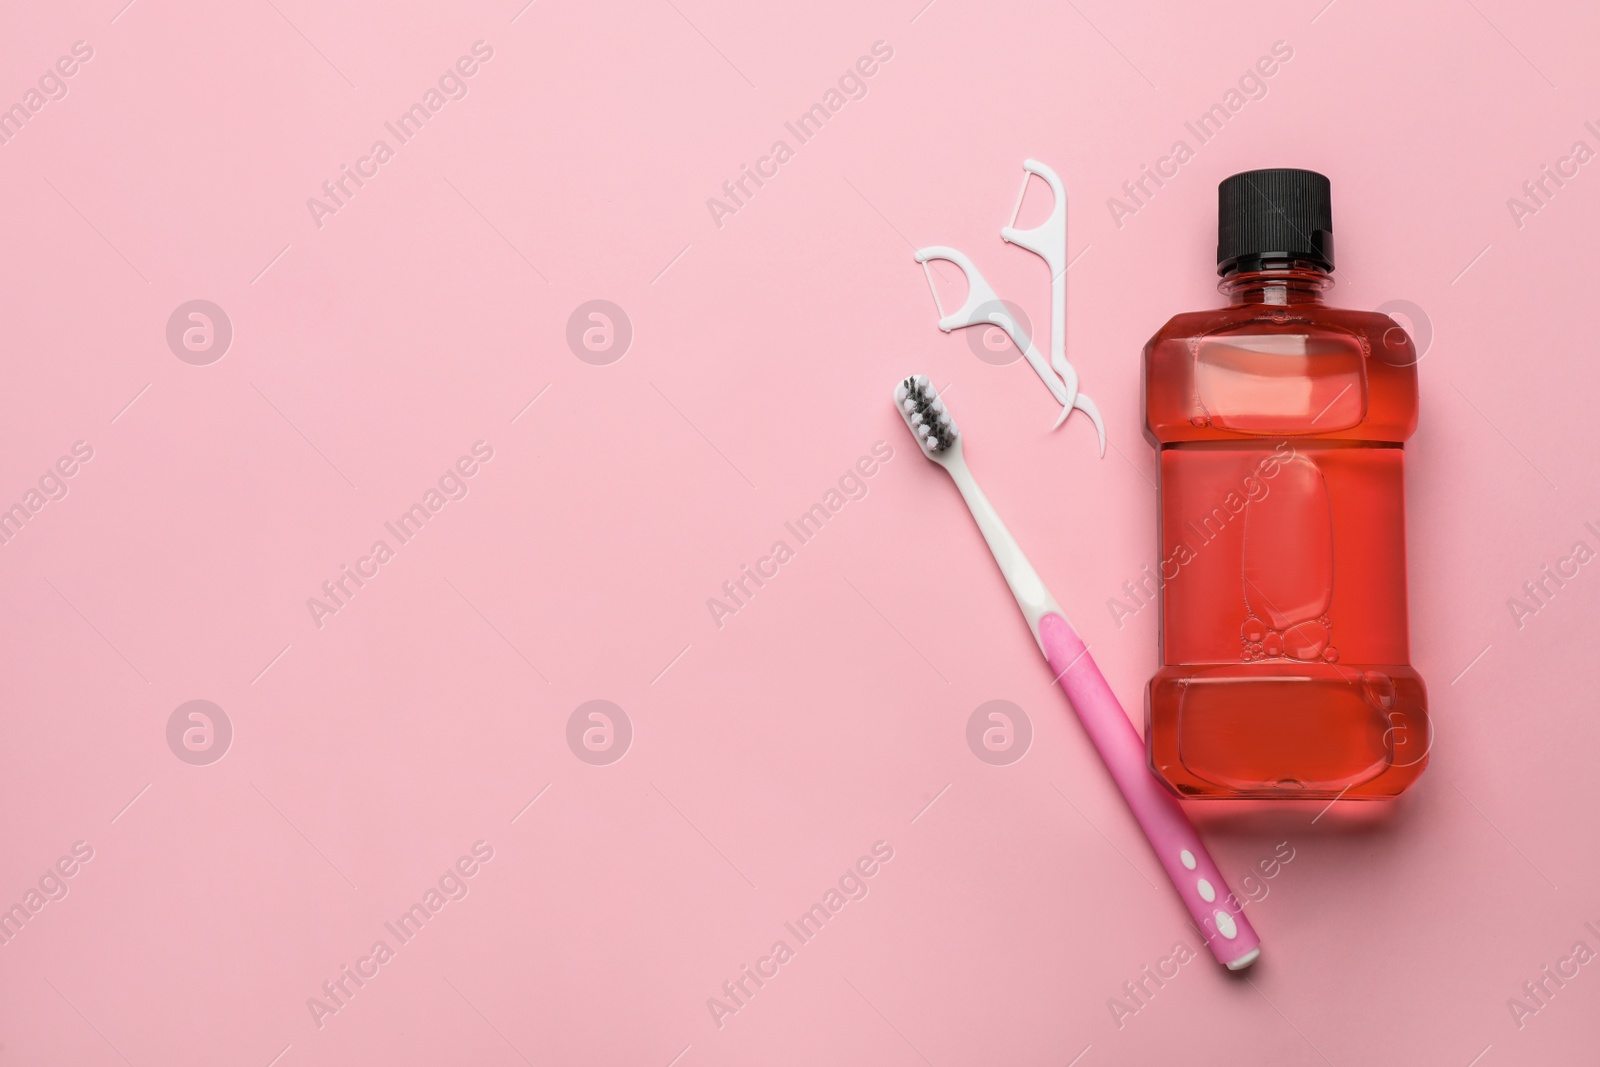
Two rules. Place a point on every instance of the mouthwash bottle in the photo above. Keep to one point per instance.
(1280, 424)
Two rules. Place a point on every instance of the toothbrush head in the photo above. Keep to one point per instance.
(926, 416)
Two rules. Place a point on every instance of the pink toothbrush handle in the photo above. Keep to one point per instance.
(1212, 905)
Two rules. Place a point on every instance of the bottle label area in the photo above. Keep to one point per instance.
(1283, 551)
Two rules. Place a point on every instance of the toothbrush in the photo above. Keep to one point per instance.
(1211, 904)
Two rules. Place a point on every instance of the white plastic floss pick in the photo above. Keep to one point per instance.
(982, 307)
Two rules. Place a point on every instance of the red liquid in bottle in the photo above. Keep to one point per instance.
(1280, 423)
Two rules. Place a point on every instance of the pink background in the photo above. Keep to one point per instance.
(830, 713)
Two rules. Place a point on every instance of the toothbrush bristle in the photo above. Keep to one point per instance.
(925, 414)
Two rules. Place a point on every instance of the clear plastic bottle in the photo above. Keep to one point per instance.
(1280, 423)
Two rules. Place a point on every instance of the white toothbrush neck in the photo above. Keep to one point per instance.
(1032, 596)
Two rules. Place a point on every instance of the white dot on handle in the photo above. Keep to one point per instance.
(1188, 858)
(1226, 925)
(1207, 894)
